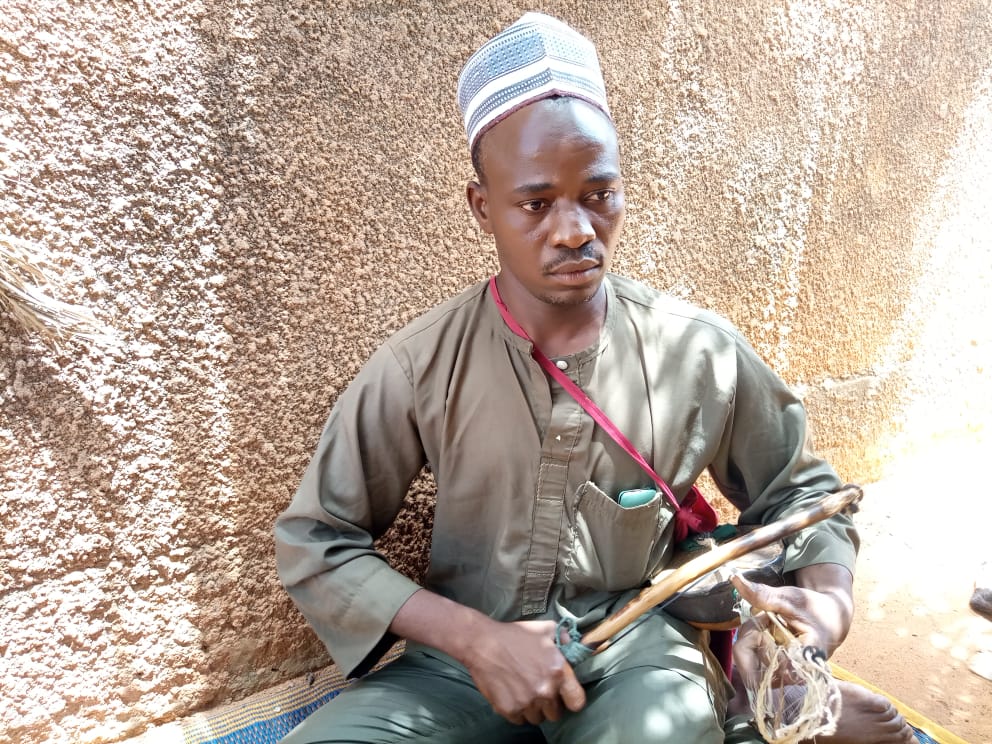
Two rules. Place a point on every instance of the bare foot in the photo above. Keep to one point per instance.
(867, 717)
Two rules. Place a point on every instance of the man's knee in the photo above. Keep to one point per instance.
(417, 698)
(650, 706)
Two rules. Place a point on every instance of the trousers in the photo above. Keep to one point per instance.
(657, 683)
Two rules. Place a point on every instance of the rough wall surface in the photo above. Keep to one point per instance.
(254, 194)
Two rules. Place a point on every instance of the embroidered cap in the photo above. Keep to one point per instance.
(536, 57)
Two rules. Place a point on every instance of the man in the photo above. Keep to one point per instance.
(528, 529)
(981, 604)
(981, 596)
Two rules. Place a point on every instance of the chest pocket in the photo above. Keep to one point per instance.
(613, 548)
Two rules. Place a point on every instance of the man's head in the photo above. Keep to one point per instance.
(546, 154)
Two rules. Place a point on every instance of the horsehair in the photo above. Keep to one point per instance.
(795, 696)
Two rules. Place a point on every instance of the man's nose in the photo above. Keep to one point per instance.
(571, 228)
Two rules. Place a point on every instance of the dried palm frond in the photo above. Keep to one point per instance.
(26, 294)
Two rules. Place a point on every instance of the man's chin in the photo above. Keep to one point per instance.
(572, 297)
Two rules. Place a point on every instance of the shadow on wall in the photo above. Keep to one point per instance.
(790, 185)
(943, 344)
(342, 219)
(76, 586)
(927, 379)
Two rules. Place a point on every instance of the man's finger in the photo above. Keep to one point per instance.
(534, 715)
(572, 693)
(517, 719)
(551, 710)
(760, 596)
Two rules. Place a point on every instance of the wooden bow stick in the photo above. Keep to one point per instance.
(667, 583)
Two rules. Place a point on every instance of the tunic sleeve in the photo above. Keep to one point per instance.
(368, 454)
(766, 466)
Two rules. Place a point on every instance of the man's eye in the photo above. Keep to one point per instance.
(601, 195)
(533, 206)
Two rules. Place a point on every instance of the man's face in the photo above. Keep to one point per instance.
(552, 197)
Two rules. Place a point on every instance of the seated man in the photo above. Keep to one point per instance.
(981, 596)
(528, 527)
(981, 604)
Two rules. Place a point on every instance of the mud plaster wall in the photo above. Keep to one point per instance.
(255, 194)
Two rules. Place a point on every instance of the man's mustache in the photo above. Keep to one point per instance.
(586, 251)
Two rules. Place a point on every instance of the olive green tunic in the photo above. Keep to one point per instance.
(526, 523)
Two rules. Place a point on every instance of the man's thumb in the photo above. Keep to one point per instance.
(757, 595)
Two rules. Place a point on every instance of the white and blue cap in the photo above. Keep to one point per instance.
(536, 57)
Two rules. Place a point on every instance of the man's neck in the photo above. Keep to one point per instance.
(557, 330)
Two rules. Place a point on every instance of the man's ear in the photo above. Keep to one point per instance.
(478, 202)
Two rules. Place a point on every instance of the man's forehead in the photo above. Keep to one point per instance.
(535, 58)
(534, 145)
(552, 121)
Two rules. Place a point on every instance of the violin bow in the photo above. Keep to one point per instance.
(667, 583)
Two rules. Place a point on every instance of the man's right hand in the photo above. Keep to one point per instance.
(516, 666)
(521, 672)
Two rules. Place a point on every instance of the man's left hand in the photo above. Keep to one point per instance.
(818, 610)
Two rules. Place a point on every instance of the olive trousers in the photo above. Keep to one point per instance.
(656, 684)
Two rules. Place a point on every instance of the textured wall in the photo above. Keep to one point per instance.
(254, 194)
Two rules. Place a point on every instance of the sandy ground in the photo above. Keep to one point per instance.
(925, 532)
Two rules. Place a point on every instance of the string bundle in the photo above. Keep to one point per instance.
(793, 695)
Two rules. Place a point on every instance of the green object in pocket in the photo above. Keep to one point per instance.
(635, 497)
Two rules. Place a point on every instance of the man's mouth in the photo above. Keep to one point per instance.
(575, 267)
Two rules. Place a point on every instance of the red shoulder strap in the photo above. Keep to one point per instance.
(694, 514)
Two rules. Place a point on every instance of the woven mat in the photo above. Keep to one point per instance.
(264, 718)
